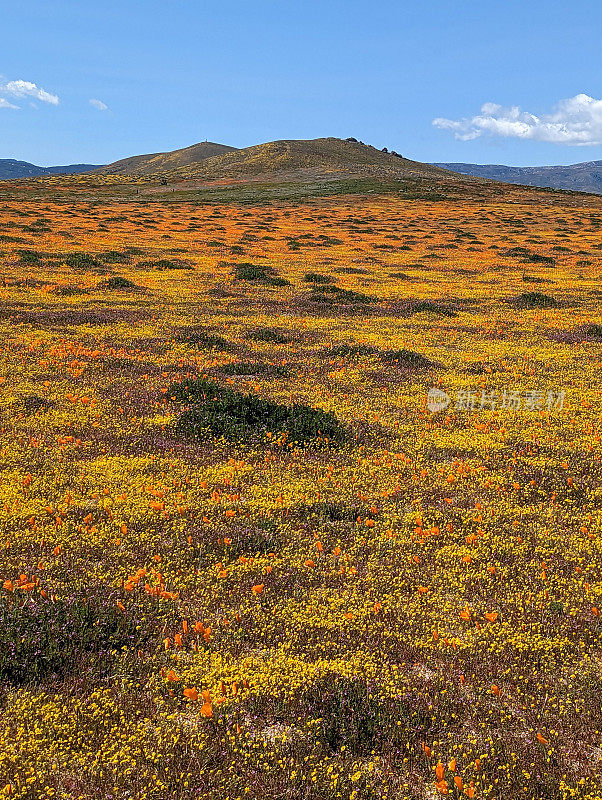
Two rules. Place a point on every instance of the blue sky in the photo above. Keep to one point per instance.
(176, 72)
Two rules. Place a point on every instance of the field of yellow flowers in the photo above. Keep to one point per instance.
(300, 500)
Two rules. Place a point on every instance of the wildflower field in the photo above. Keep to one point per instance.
(241, 557)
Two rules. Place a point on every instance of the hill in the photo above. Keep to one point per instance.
(11, 169)
(584, 177)
(288, 159)
(152, 163)
(303, 157)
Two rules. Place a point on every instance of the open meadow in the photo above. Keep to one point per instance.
(240, 556)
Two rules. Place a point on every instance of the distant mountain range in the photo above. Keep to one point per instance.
(585, 177)
(10, 168)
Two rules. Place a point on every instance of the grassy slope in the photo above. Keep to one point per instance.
(326, 155)
(159, 162)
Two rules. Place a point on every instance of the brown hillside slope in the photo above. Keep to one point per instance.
(153, 163)
(324, 156)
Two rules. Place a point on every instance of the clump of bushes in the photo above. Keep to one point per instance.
(31, 404)
(163, 264)
(81, 260)
(345, 350)
(316, 277)
(528, 256)
(406, 359)
(593, 330)
(201, 338)
(272, 335)
(116, 256)
(330, 294)
(533, 300)
(214, 411)
(118, 283)
(434, 308)
(352, 716)
(29, 257)
(261, 273)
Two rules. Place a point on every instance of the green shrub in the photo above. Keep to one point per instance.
(272, 335)
(163, 264)
(29, 257)
(353, 716)
(117, 282)
(349, 350)
(222, 412)
(245, 271)
(115, 257)
(434, 308)
(405, 358)
(316, 277)
(201, 338)
(334, 295)
(81, 260)
(534, 300)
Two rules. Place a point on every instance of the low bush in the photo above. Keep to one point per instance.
(316, 277)
(405, 358)
(533, 300)
(245, 271)
(330, 294)
(222, 412)
(345, 350)
(433, 308)
(272, 335)
(118, 283)
(202, 338)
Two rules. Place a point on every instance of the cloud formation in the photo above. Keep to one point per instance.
(5, 104)
(575, 121)
(24, 89)
(98, 104)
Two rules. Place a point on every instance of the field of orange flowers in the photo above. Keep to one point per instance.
(244, 553)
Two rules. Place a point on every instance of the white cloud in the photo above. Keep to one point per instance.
(5, 104)
(575, 121)
(99, 104)
(27, 89)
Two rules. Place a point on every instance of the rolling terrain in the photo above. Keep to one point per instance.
(288, 169)
(241, 556)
